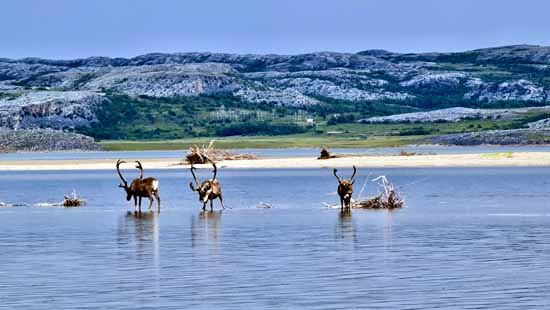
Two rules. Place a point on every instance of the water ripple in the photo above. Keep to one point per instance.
(469, 243)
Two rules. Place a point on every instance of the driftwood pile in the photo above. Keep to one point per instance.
(388, 199)
(325, 154)
(405, 153)
(205, 154)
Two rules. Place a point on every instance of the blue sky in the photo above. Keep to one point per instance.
(63, 29)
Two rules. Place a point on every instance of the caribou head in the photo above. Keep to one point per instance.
(208, 190)
(345, 188)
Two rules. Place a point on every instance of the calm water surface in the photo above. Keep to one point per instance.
(468, 239)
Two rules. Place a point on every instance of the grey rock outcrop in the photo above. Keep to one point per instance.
(49, 109)
(435, 81)
(521, 90)
(44, 140)
(495, 137)
(543, 124)
(453, 115)
(168, 80)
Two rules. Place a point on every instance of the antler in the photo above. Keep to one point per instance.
(194, 177)
(119, 173)
(337, 177)
(140, 167)
(215, 170)
(353, 175)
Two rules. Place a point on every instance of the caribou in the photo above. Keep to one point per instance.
(208, 190)
(140, 187)
(345, 189)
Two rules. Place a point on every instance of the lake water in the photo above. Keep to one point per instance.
(467, 239)
(276, 153)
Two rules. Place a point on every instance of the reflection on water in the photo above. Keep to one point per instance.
(467, 239)
(388, 229)
(139, 233)
(205, 229)
(345, 228)
(139, 228)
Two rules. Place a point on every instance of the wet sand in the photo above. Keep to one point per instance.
(527, 159)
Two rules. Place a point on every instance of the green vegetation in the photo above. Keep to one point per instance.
(10, 95)
(499, 155)
(351, 135)
(143, 118)
(180, 122)
(259, 128)
(261, 142)
(153, 118)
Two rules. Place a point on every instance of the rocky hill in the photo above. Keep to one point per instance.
(44, 140)
(481, 75)
(66, 94)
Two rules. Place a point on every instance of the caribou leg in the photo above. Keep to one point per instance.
(221, 202)
(211, 205)
(158, 200)
(150, 202)
(135, 204)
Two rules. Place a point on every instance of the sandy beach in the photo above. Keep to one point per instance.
(527, 159)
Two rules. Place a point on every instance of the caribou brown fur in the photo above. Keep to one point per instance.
(345, 189)
(140, 187)
(208, 190)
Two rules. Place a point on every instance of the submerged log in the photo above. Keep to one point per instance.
(73, 201)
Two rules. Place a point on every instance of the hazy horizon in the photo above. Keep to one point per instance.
(65, 29)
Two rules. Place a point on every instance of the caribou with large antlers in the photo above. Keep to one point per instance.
(208, 190)
(140, 187)
(345, 189)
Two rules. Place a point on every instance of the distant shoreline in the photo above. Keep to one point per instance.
(507, 159)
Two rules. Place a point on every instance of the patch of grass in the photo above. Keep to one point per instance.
(10, 95)
(353, 135)
(401, 129)
(499, 155)
(530, 117)
(262, 142)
